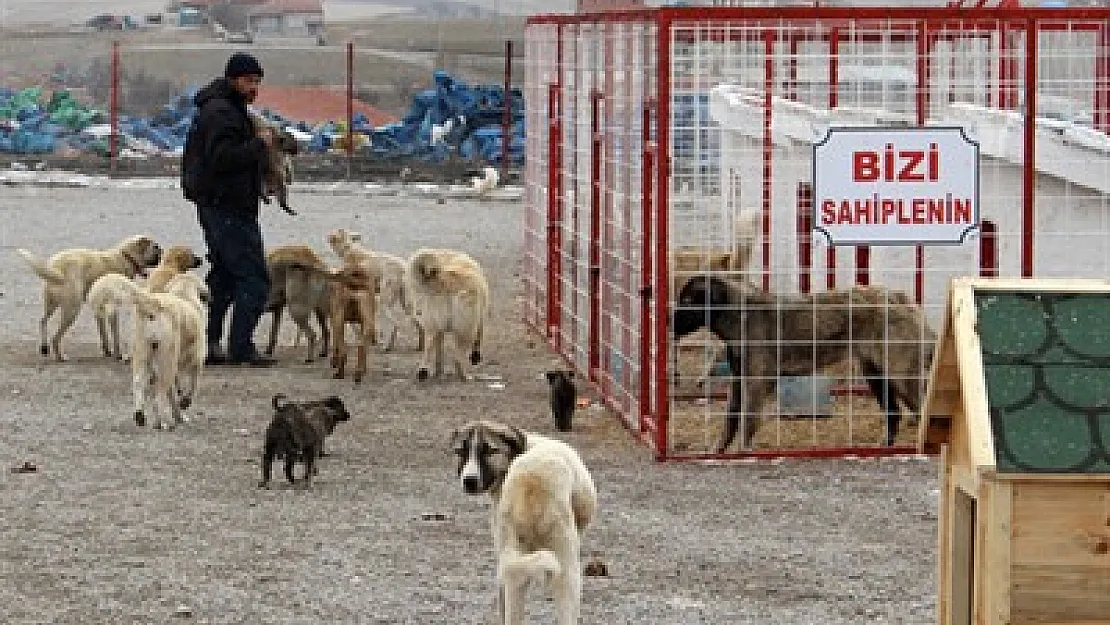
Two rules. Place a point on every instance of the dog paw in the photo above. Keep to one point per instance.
(422, 374)
(44, 350)
(264, 484)
(475, 357)
(140, 418)
(338, 375)
(184, 403)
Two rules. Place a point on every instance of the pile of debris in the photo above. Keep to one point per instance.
(449, 120)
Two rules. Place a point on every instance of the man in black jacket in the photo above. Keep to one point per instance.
(231, 161)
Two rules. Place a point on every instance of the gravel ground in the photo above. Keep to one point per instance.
(126, 525)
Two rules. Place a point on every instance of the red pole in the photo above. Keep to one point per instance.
(924, 46)
(507, 115)
(1028, 194)
(595, 233)
(988, 249)
(350, 105)
(554, 214)
(113, 107)
(662, 238)
(805, 236)
(768, 146)
(834, 101)
(1102, 81)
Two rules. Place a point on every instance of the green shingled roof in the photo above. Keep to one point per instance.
(1046, 360)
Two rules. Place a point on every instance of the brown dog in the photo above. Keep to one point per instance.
(304, 292)
(352, 300)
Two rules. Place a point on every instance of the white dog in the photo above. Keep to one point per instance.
(393, 300)
(169, 346)
(543, 499)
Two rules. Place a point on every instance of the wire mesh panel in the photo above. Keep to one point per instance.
(828, 342)
(591, 86)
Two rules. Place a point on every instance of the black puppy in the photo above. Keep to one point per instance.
(563, 398)
(297, 432)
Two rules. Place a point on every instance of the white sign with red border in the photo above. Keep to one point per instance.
(895, 186)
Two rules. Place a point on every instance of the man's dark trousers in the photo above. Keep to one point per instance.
(237, 277)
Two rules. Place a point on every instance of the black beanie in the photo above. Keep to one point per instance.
(242, 64)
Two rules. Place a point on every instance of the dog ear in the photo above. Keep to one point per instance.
(279, 401)
(551, 376)
(334, 402)
(516, 439)
(458, 438)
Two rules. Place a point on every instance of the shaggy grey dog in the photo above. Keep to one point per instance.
(770, 335)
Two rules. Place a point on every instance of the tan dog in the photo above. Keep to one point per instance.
(303, 292)
(68, 275)
(393, 301)
(352, 303)
(177, 259)
(277, 174)
(169, 347)
(450, 295)
(543, 499)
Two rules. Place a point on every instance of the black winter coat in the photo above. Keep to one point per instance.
(233, 154)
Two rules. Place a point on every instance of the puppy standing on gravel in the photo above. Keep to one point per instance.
(450, 295)
(69, 274)
(543, 498)
(563, 398)
(297, 432)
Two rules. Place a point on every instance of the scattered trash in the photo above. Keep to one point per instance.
(596, 568)
(183, 611)
(26, 467)
(583, 402)
(434, 516)
(497, 386)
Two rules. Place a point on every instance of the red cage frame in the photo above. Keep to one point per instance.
(647, 420)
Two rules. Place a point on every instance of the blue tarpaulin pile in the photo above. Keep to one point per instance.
(450, 118)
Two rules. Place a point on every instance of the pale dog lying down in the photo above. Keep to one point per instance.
(169, 347)
(543, 498)
(393, 300)
(450, 295)
(110, 293)
(69, 274)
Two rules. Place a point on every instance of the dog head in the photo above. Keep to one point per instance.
(698, 303)
(181, 258)
(341, 241)
(336, 409)
(141, 251)
(559, 377)
(153, 323)
(286, 143)
(485, 450)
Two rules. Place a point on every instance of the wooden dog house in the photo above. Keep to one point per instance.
(1018, 406)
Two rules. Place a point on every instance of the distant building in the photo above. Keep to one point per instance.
(286, 18)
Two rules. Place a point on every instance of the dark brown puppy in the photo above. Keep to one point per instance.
(297, 432)
(563, 398)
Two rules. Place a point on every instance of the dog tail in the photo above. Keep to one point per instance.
(536, 564)
(41, 269)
